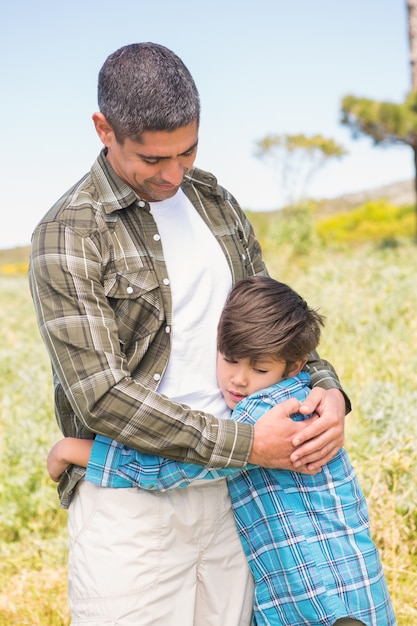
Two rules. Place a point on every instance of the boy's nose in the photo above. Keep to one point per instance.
(239, 379)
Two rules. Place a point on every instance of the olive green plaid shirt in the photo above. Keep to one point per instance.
(102, 298)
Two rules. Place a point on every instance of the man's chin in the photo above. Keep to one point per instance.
(158, 193)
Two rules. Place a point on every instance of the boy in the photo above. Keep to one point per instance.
(306, 537)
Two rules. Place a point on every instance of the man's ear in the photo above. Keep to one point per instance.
(103, 128)
(296, 368)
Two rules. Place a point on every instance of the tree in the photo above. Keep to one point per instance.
(388, 123)
(412, 37)
(297, 158)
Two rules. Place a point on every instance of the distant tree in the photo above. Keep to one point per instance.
(388, 123)
(412, 37)
(296, 159)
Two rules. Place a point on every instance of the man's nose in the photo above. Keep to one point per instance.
(173, 172)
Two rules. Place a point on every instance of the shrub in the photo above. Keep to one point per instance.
(377, 220)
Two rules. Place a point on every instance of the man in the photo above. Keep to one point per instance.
(129, 273)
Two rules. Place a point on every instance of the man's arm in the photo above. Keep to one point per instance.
(95, 389)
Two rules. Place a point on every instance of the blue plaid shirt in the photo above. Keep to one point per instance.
(306, 538)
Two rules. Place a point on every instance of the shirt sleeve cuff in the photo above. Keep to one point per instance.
(233, 444)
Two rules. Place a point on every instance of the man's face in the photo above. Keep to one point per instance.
(155, 166)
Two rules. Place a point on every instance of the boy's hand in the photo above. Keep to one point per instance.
(66, 452)
(55, 461)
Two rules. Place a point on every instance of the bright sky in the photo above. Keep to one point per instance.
(270, 66)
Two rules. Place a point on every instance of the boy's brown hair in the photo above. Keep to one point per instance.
(263, 317)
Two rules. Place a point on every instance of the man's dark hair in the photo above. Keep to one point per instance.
(146, 87)
(265, 317)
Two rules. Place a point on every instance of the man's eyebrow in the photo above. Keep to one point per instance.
(161, 158)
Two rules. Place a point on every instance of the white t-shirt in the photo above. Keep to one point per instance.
(200, 280)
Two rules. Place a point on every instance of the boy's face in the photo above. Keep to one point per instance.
(242, 377)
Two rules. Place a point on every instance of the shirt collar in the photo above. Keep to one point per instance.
(114, 193)
(206, 182)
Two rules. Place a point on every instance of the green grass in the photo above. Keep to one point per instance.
(368, 294)
(32, 526)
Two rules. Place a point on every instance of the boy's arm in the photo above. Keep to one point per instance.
(66, 452)
(114, 465)
(106, 461)
(151, 472)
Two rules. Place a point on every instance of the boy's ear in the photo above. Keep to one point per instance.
(296, 367)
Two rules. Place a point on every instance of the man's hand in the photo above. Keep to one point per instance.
(324, 434)
(274, 435)
(306, 446)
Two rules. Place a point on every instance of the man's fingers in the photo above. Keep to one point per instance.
(315, 460)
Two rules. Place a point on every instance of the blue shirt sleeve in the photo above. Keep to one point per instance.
(114, 465)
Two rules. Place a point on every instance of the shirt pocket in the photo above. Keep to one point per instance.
(135, 298)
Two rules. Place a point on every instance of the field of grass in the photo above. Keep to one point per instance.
(368, 294)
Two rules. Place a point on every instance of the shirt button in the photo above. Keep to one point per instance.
(167, 330)
(141, 203)
(156, 237)
(166, 281)
(129, 289)
(156, 376)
